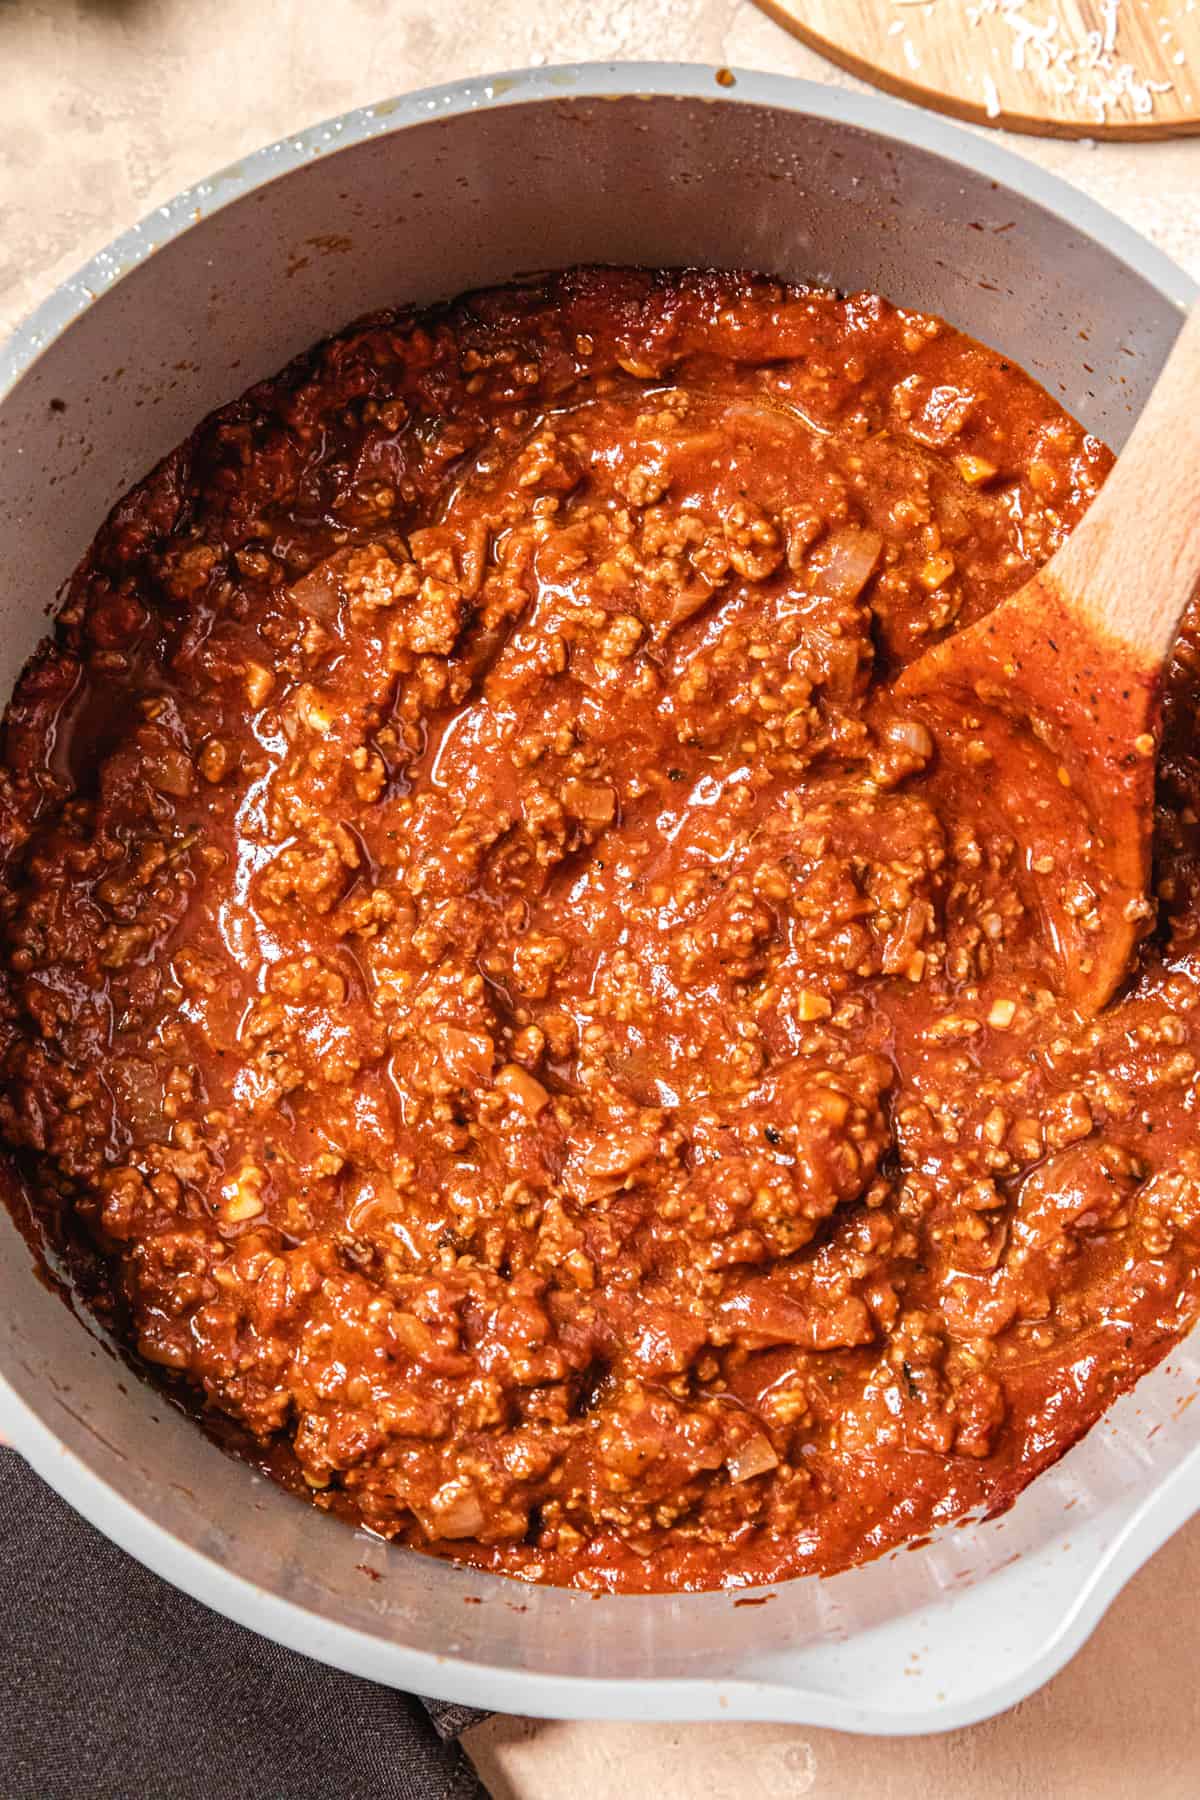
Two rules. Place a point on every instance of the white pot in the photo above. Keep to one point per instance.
(416, 200)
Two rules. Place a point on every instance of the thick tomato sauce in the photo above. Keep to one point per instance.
(535, 1033)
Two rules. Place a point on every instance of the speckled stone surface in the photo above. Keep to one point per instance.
(112, 106)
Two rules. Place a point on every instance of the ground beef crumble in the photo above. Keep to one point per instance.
(525, 1015)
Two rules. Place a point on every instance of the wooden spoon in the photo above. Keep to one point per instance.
(1054, 700)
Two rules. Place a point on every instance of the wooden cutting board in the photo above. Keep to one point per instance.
(1065, 68)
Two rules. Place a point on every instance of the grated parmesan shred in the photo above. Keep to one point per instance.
(1090, 73)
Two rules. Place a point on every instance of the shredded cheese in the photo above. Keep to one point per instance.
(1090, 73)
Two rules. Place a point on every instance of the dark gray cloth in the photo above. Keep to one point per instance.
(113, 1686)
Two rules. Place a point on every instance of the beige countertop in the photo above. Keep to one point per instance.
(111, 106)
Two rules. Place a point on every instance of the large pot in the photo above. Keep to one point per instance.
(416, 200)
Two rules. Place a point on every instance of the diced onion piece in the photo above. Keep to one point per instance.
(259, 682)
(812, 1005)
(169, 769)
(241, 1195)
(319, 593)
(317, 712)
(466, 1055)
(837, 660)
(912, 735)
(522, 1088)
(616, 1156)
(454, 1512)
(845, 561)
(753, 1457)
(974, 470)
(371, 1198)
(592, 801)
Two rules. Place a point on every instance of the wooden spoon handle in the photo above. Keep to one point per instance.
(1133, 563)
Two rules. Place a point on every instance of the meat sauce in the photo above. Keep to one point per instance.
(534, 1032)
